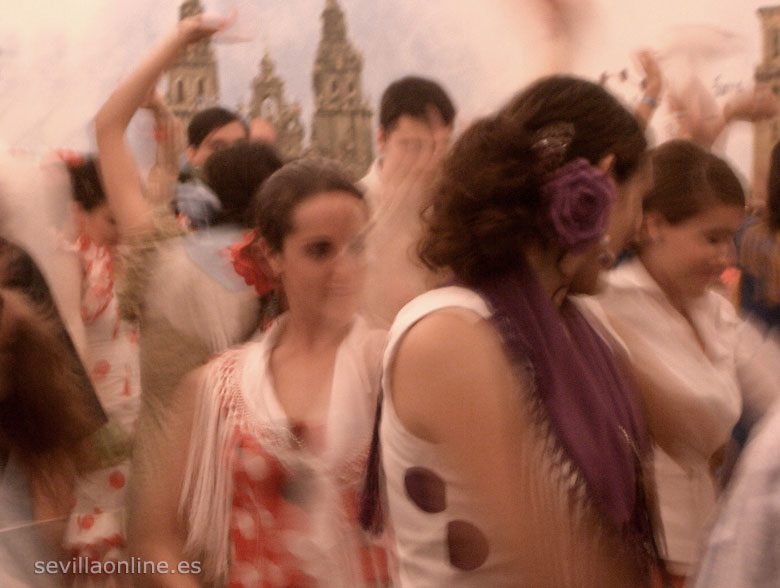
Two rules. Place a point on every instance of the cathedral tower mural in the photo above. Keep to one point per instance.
(341, 126)
(767, 132)
(269, 102)
(192, 80)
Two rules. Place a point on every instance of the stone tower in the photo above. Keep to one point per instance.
(192, 79)
(341, 126)
(269, 102)
(767, 132)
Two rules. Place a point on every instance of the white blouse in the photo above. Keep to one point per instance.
(692, 376)
(427, 502)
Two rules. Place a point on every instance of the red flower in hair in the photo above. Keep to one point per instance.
(250, 263)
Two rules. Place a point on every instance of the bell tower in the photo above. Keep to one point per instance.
(192, 79)
(767, 132)
(341, 126)
(269, 102)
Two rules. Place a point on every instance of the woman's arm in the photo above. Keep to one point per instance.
(119, 172)
(155, 532)
(453, 385)
(653, 85)
(688, 405)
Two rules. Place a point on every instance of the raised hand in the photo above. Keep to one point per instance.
(653, 81)
(407, 174)
(202, 26)
(410, 165)
(119, 171)
(652, 85)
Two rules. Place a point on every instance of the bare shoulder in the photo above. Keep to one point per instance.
(450, 368)
(445, 335)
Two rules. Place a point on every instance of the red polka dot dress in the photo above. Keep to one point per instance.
(95, 528)
(272, 503)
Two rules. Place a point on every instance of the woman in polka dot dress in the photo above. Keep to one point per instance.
(95, 528)
(512, 444)
(267, 443)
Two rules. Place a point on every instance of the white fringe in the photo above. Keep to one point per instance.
(208, 484)
(329, 553)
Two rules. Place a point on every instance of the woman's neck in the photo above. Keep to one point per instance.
(544, 265)
(312, 334)
(678, 301)
(675, 298)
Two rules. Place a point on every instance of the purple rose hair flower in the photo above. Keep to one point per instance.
(579, 197)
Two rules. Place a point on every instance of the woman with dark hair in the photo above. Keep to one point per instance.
(94, 222)
(50, 419)
(258, 478)
(511, 444)
(694, 360)
(179, 287)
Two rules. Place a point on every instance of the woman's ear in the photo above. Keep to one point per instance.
(653, 227)
(381, 139)
(190, 153)
(606, 163)
(272, 257)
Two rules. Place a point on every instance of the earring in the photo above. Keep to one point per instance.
(607, 257)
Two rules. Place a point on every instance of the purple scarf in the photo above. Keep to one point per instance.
(587, 401)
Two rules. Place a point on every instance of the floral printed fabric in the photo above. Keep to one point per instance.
(95, 529)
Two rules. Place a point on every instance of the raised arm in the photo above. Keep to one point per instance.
(653, 85)
(687, 409)
(120, 175)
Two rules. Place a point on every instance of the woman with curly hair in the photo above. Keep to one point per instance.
(512, 443)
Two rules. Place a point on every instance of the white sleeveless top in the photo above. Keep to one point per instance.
(437, 541)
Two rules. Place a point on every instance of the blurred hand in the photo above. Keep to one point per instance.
(408, 170)
(198, 27)
(653, 82)
(699, 117)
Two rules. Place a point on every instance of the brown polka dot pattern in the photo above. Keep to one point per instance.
(425, 489)
(467, 546)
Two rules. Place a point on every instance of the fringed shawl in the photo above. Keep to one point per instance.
(587, 401)
(234, 400)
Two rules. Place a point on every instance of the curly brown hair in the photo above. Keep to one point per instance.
(487, 205)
